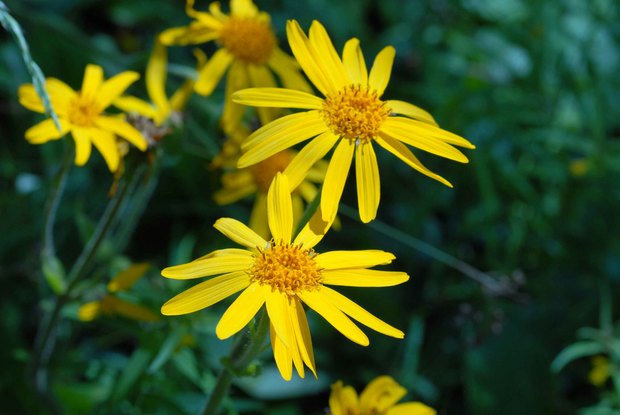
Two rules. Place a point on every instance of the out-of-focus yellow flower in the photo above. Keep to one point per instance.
(351, 117)
(161, 108)
(248, 52)
(282, 274)
(240, 183)
(380, 397)
(82, 114)
(579, 167)
(110, 304)
(601, 370)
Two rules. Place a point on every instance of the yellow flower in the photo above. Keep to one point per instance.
(256, 179)
(579, 167)
(351, 116)
(81, 113)
(601, 370)
(112, 305)
(161, 108)
(380, 397)
(248, 51)
(281, 274)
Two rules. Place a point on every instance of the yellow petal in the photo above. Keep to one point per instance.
(131, 104)
(277, 97)
(243, 8)
(363, 277)
(313, 231)
(83, 145)
(225, 252)
(282, 356)
(123, 129)
(411, 408)
(212, 72)
(305, 56)
(187, 35)
(206, 294)
(353, 259)
(261, 76)
(421, 140)
(60, 95)
(410, 110)
(46, 131)
(105, 142)
(402, 152)
(115, 87)
(279, 135)
(358, 313)
(367, 180)
(227, 196)
(277, 309)
(155, 77)
(128, 277)
(380, 394)
(326, 56)
(302, 333)
(343, 400)
(354, 63)
(304, 160)
(335, 178)
(420, 128)
(93, 78)
(241, 234)
(237, 79)
(287, 70)
(319, 303)
(209, 266)
(381, 70)
(134, 311)
(89, 311)
(241, 310)
(280, 210)
(258, 217)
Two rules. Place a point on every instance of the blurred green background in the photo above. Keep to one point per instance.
(533, 84)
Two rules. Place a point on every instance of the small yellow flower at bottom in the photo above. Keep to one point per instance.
(380, 397)
(282, 274)
(82, 114)
(601, 370)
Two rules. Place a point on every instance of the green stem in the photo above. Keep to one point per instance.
(44, 345)
(245, 350)
(491, 284)
(58, 187)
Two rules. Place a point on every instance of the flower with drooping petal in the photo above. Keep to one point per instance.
(111, 304)
(282, 274)
(161, 108)
(351, 117)
(82, 114)
(380, 397)
(248, 51)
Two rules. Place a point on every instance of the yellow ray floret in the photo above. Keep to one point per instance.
(281, 274)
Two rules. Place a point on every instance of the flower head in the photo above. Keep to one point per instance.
(111, 304)
(248, 51)
(351, 116)
(282, 274)
(380, 397)
(82, 114)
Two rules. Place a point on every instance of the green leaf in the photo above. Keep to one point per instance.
(166, 350)
(54, 273)
(134, 368)
(575, 351)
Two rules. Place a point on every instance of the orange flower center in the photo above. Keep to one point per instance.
(287, 268)
(248, 40)
(266, 170)
(355, 113)
(83, 111)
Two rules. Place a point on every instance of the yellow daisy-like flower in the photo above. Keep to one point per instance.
(351, 116)
(282, 274)
(82, 114)
(161, 108)
(380, 397)
(110, 304)
(248, 51)
(256, 179)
